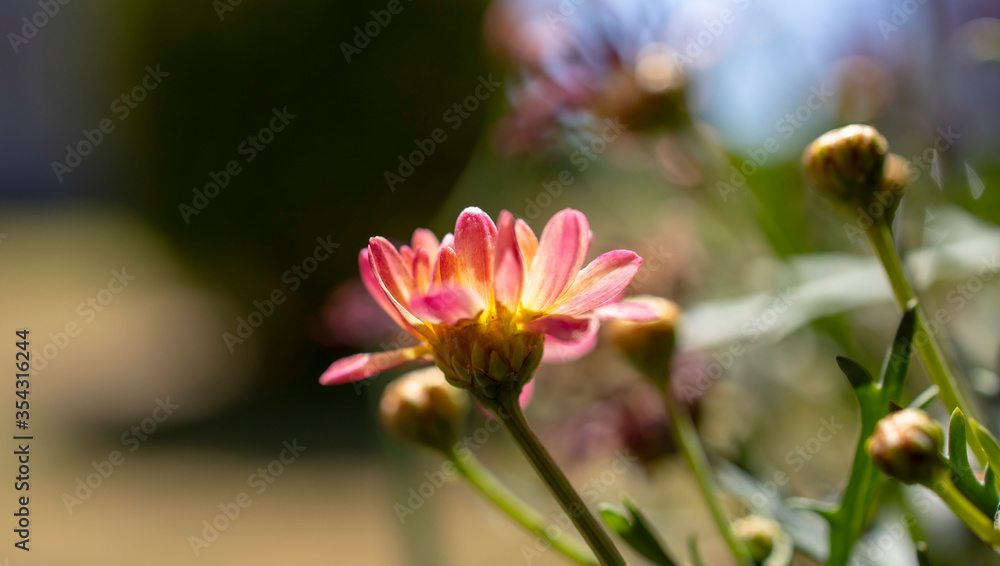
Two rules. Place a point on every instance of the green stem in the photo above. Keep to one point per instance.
(509, 412)
(687, 440)
(880, 235)
(981, 525)
(472, 470)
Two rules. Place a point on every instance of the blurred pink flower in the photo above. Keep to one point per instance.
(487, 301)
(351, 317)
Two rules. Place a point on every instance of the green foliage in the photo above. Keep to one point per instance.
(694, 552)
(925, 398)
(633, 527)
(983, 495)
(847, 521)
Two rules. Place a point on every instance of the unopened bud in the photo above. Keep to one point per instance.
(847, 164)
(422, 407)
(906, 445)
(759, 534)
(649, 346)
(894, 180)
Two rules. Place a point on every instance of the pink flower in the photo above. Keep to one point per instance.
(488, 301)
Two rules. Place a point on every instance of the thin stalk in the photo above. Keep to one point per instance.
(966, 511)
(880, 235)
(546, 468)
(473, 470)
(686, 438)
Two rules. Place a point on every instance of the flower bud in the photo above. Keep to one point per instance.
(895, 178)
(486, 361)
(422, 407)
(906, 445)
(847, 164)
(760, 534)
(649, 346)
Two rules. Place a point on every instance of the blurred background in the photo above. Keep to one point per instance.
(185, 186)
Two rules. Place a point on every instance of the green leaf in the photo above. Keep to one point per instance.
(857, 375)
(990, 445)
(876, 400)
(635, 529)
(824, 509)
(897, 361)
(958, 452)
(983, 495)
(615, 520)
(925, 398)
(693, 550)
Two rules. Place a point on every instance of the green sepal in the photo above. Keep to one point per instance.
(857, 375)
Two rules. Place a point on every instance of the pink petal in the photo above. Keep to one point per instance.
(560, 351)
(446, 266)
(392, 265)
(390, 269)
(447, 306)
(375, 290)
(561, 252)
(361, 366)
(599, 282)
(422, 270)
(526, 241)
(564, 328)
(627, 310)
(475, 240)
(406, 254)
(508, 280)
(527, 394)
(425, 239)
